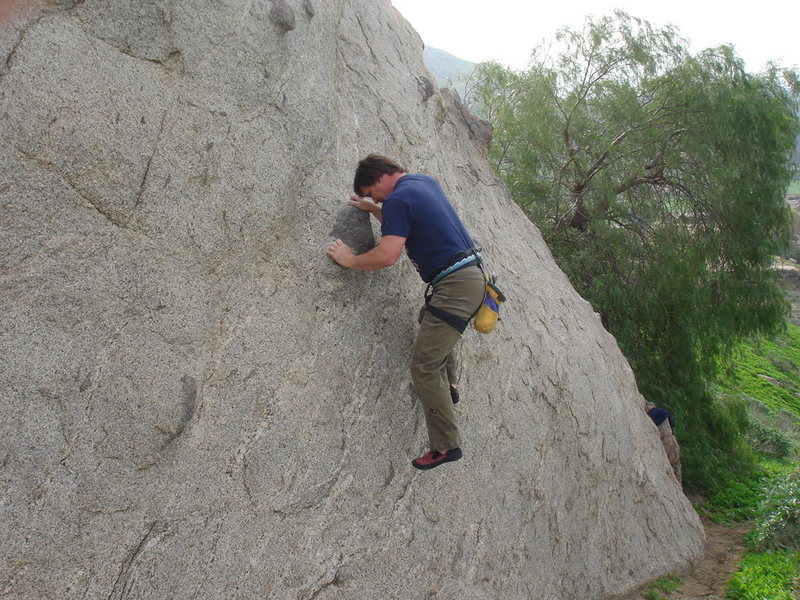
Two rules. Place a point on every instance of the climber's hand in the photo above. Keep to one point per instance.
(362, 203)
(340, 252)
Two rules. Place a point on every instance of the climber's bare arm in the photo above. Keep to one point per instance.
(385, 254)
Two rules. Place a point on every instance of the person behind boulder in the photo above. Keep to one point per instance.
(665, 423)
(415, 213)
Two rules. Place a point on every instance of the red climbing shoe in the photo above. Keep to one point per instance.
(434, 459)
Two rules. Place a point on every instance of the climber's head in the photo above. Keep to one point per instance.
(376, 176)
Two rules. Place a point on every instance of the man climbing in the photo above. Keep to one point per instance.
(415, 213)
(665, 423)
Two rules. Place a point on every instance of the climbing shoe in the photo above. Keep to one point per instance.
(454, 394)
(434, 459)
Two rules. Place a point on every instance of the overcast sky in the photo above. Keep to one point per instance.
(507, 30)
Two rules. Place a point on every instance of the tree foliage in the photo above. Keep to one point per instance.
(657, 178)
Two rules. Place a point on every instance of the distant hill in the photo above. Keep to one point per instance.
(449, 71)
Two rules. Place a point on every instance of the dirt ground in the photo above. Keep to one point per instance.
(724, 550)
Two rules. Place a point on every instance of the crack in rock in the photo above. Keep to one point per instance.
(121, 585)
(54, 169)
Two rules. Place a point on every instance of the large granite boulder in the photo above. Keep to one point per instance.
(198, 404)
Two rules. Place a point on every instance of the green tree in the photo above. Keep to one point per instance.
(657, 178)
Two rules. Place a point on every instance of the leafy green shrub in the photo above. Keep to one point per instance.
(778, 524)
(769, 441)
(737, 499)
(767, 576)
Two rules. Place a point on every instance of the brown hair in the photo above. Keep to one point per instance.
(371, 169)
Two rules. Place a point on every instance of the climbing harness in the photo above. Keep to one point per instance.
(461, 259)
(487, 314)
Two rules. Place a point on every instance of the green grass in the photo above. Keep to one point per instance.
(735, 499)
(767, 500)
(794, 188)
(768, 372)
(771, 568)
(666, 585)
(767, 576)
(765, 375)
(758, 392)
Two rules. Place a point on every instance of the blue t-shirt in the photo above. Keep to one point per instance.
(418, 210)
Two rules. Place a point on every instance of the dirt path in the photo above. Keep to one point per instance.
(724, 549)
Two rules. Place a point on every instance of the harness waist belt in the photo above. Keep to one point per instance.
(464, 262)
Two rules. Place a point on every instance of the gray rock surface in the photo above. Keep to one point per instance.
(353, 227)
(196, 403)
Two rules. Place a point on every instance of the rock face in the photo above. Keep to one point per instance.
(198, 404)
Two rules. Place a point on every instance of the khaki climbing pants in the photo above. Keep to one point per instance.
(434, 362)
